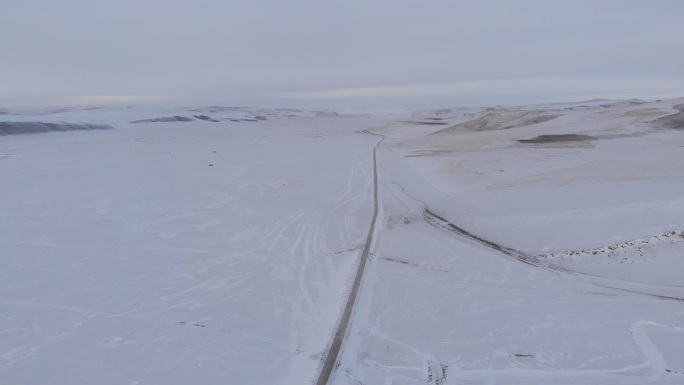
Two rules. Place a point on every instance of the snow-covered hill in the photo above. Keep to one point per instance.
(561, 259)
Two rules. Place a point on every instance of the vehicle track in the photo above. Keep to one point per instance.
(330, 359)
(529, 259)
(535, 261)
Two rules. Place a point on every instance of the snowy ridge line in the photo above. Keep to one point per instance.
(330, 362)
(613, 249)
(164, 119)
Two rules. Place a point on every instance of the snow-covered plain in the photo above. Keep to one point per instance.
(216, 246)
(178, 252)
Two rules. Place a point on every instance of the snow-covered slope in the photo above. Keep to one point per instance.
(555, 261)
(578, 180)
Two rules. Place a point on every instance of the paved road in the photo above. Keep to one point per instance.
(332, 355)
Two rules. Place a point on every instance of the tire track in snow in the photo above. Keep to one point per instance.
(535, 261)
(435, 219)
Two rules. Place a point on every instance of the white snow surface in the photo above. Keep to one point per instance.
(604, 301)
(178, 253)
(221, 252)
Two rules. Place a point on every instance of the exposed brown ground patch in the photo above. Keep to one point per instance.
(502, 120)
(561, 138)
(674, 121)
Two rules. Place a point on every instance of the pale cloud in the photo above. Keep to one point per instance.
(581, 87)
(259, 52)
(110, 99)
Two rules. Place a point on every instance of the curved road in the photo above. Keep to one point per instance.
(332, 354)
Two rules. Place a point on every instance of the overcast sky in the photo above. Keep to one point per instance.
(347, 53)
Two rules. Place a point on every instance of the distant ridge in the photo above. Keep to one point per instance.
(165, 119)
(17, 128)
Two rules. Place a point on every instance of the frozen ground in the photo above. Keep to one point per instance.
(178, 253)
(216, 245)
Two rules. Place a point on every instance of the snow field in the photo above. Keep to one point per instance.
(177, 253)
